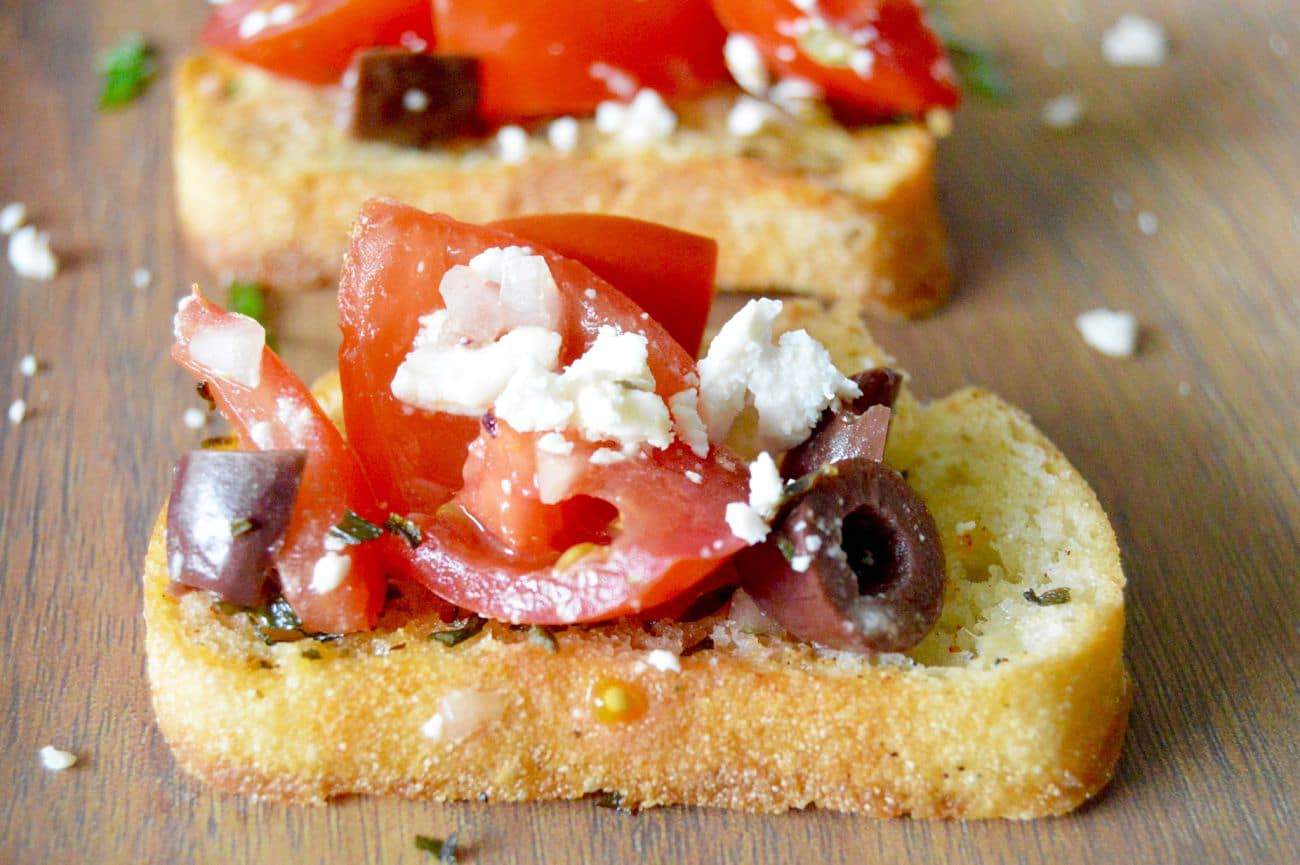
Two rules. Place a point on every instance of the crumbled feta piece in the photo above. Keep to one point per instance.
(795, 95)
(329, 572)
(664, 661)
(745, 63)
(790, 381)
(966, 527)
(230, 351)
(12, 217)
(28, 365)
(1109, 332)
(619, 82)
(30, 254)
(17, 411)
(467, 379)
(562, 133)
(745, 523)
(647, 118)
(263, 435)
(1063, 112)
(56, 759)
(141, 277)
(1135, 40)
(694, 476)
(253, 23)
(801, 562)
(607, 394)
(281, 14)
(463, 712)
(862, 61)
(1148, 224)
(415, 100)
(194, 418)
(748, 116)
(607, 457)
(512, 144)
(555, 444)
(685, 406)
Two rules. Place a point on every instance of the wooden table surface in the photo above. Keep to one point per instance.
(1191, 445)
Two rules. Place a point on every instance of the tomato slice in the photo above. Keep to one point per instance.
(668, 273)
(280, 413)
(489, 546)
(314, 40)
(907, 72)
(540, 57)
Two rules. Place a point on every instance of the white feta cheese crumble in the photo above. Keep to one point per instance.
(17, 411)
(512, 144)
(1148, 224)
(745, 63)
(750, 521)
(562, 133)
(329, 572)
(607, 457)
(30, 254)
(281, 14)
(28, 365)
(607, 394)
(1109, 331)
(263, 435)
(1134, 40)
(463, 712)
(141, 277)
(467, 379)
(748, 116)
(801, 562)
(664, 661)
(415, 100)
(12, 217)
(555, 444)
(647, 118)
(618, 81)
(795, 95)
(194, 418)
(230, 351)
(694, 476)
(862, 61)
(253, 23)
(790, 381)
(685, 406)
(56, 759)
(1063, 112)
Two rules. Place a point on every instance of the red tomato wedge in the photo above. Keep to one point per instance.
(540, 57)
(907, 71)
(666, 272)
(490, 546)
(314, 40)
(279, 413)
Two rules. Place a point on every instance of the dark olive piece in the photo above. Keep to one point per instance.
(856, 430)
(409, 99)
(226, 519)
(872, 567)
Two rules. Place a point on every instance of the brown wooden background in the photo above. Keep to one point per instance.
(1202, 487)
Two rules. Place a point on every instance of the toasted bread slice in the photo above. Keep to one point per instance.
(1007, 709)
(268, 184)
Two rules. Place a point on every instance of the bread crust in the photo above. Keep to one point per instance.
(267, 186)
(758, 725)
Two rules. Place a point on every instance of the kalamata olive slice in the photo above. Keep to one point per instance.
(855, 564)
(226, 518)
(857, 430)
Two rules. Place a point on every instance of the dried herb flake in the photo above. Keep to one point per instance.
(460, 631)
(354, 529)
(443, 850)
(1049, 598)
(405, 529)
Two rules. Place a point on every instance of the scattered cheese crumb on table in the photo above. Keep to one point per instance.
(12, 217)
(1109, 331)
(141, 277)
(1135, 40)
(1148, 224)
(56, 759)
(28, 365)
(1063, 112)
(30, 255)
(17, 411)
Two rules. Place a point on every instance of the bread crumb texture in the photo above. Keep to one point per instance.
(1007, 709)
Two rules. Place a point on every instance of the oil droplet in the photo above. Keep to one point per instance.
(614, 701)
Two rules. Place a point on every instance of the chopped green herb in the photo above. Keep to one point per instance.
(205, 393)
(241, 526)
(1049, 598)
(460, 631)
(354, 529)
(311, 654)
(539, 636)
(445, 851)
(404, 528)
(248, 298)
(277, 622)
(127, 68)
(219, 443)
(786, 546)
(979, 70)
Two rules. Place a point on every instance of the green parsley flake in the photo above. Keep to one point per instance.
(354, 529)
(445, 851)
(460, 631)
(127, 68)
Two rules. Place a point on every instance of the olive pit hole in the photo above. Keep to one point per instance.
(870, 547)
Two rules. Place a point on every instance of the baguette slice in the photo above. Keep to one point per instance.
(1007, 709)
(268, 184)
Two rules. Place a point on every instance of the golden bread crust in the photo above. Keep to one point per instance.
(267, 186)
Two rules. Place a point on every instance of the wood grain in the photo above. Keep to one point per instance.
(1201, 480)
